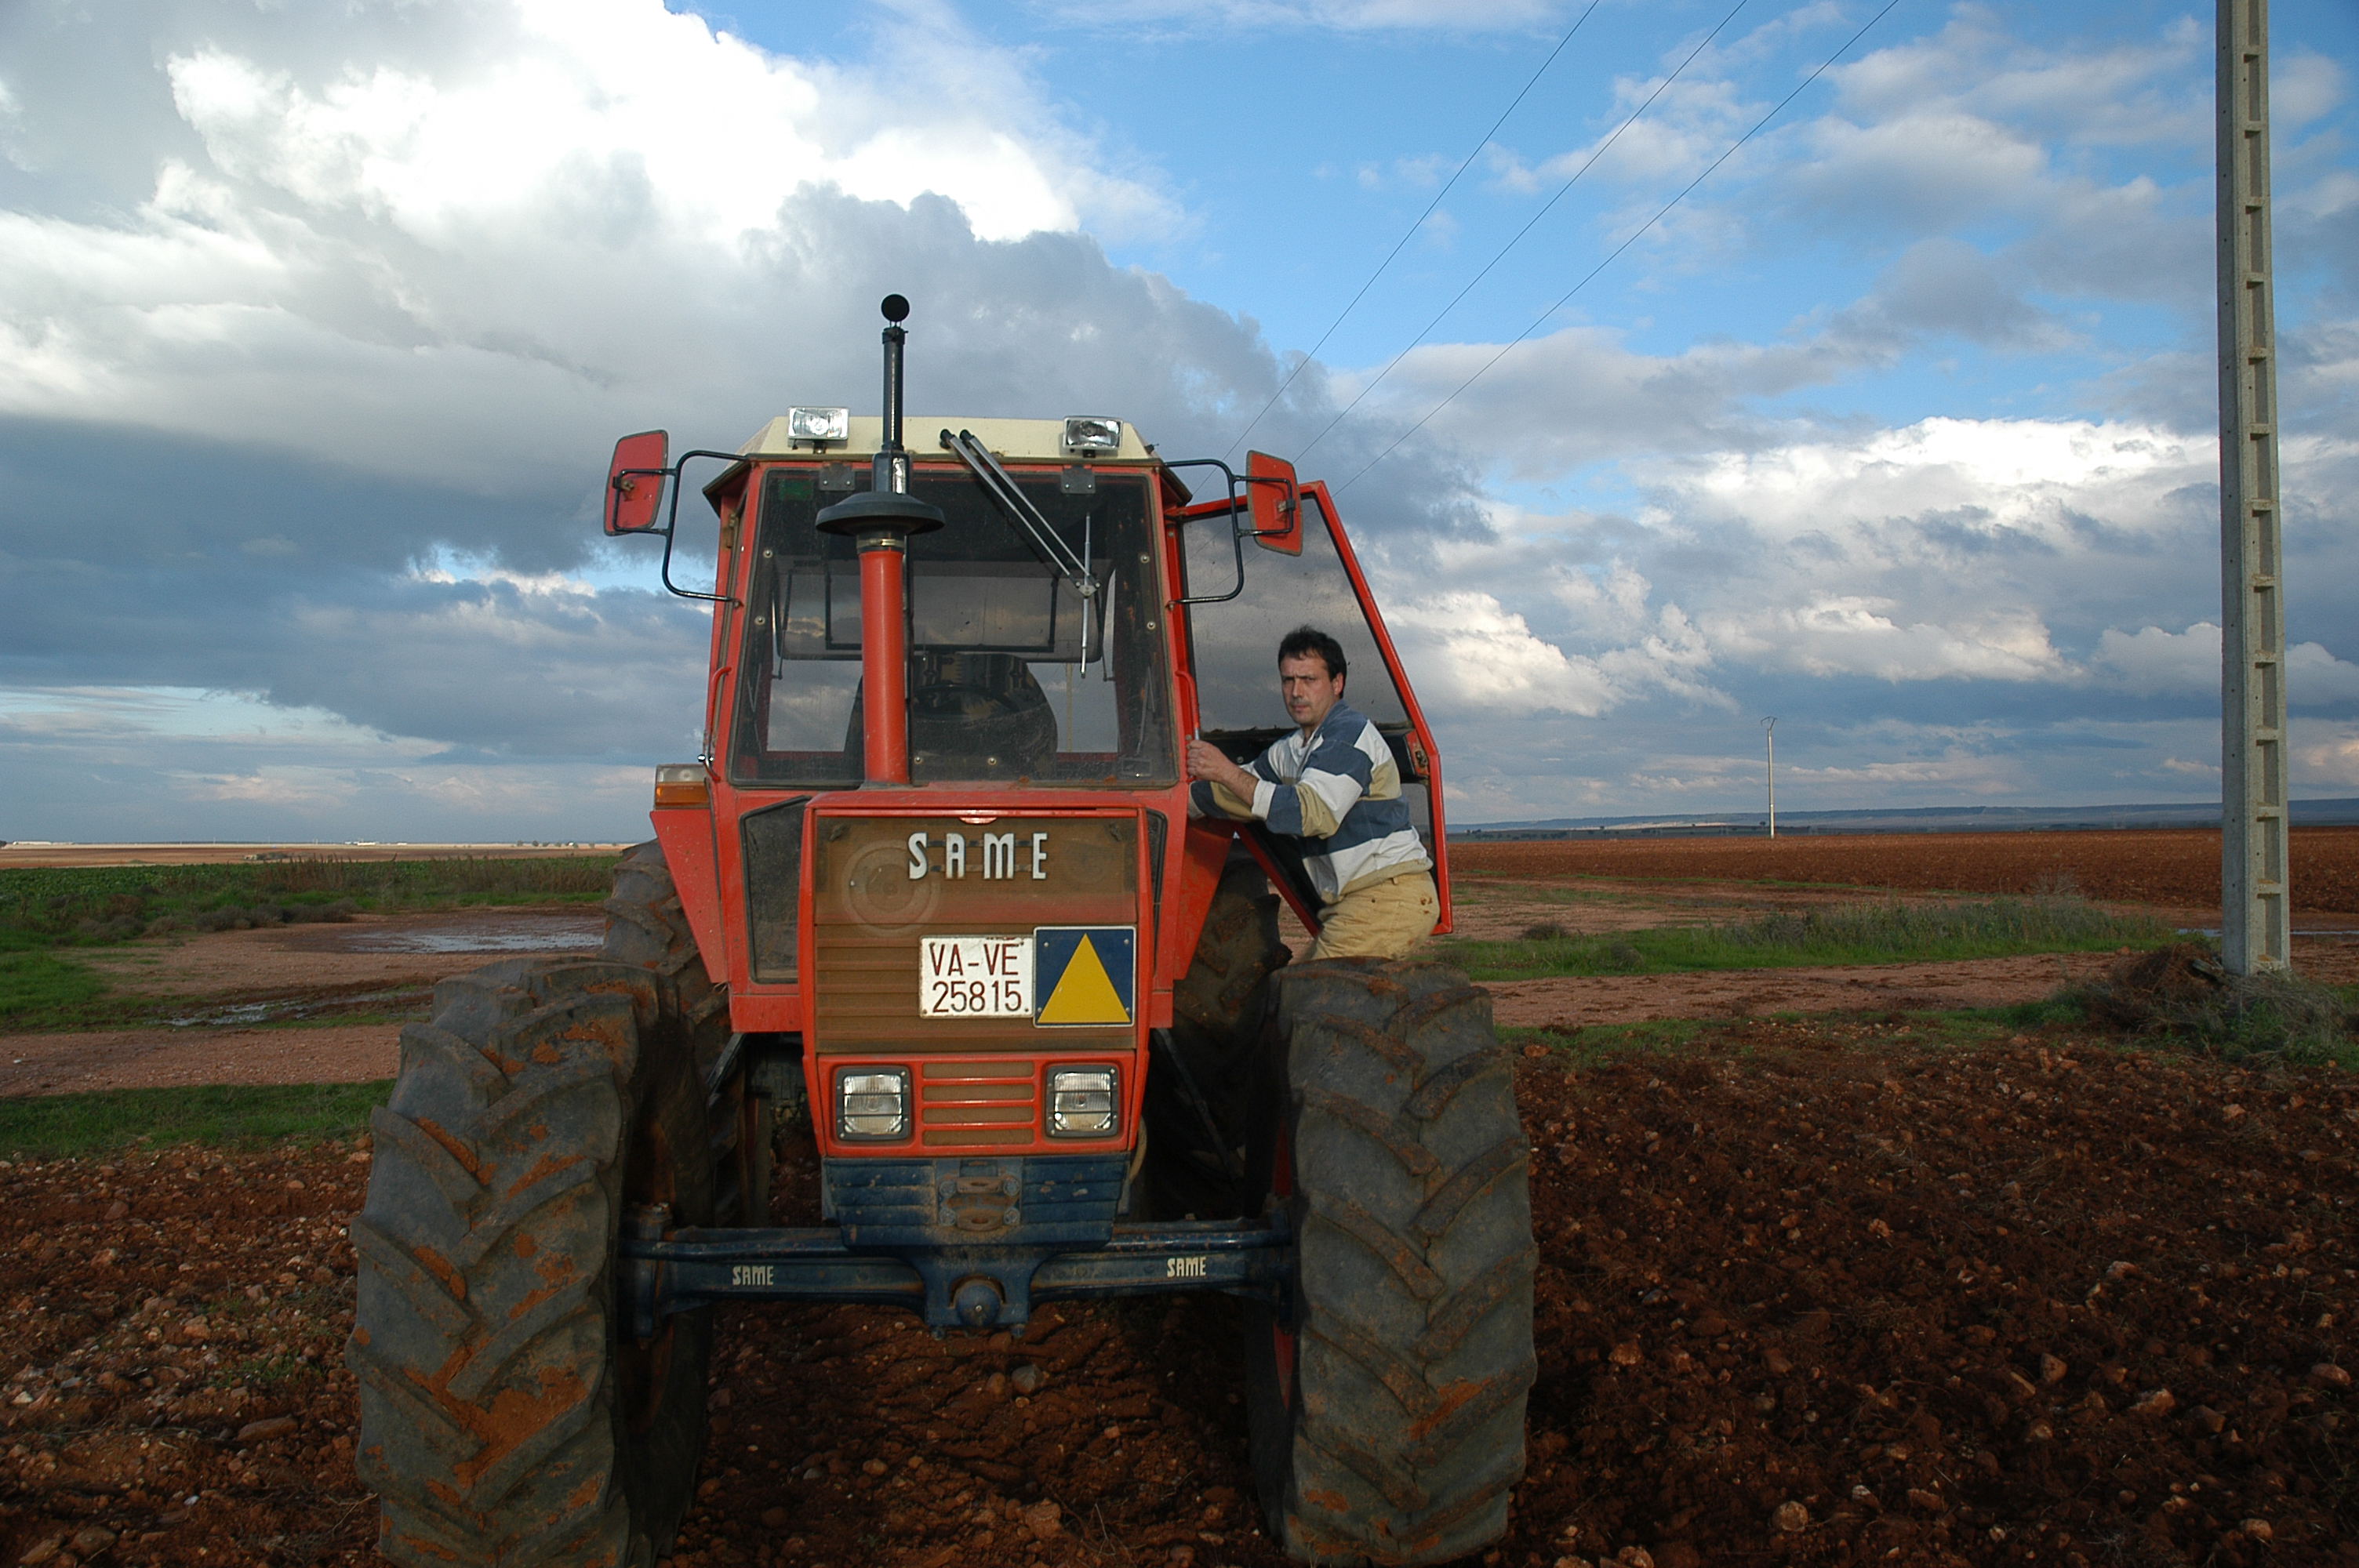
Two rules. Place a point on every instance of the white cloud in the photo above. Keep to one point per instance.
(2303, 86)
(1476, 654)
(2328, 763)
(1340, 15)
(2152, 660)
(351, 254)
(1847, 635)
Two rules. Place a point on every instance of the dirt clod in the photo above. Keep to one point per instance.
(1790, 1517)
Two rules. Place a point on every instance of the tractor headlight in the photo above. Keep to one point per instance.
(872, 1103)
(819, 424)
(1087, 436)
(1081, 1102)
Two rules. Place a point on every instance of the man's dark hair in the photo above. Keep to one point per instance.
(1305, 640)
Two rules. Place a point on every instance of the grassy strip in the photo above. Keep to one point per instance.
(230, 1117)
(45, 906)
(1851, 934)
(1951, 1028)
(41, 993)
(40, 986)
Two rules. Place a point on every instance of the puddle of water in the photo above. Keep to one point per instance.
(560, 934)
(247, 1012)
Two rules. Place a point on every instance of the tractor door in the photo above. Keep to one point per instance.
(1233, 652)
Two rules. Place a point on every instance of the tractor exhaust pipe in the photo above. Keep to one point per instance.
(880, 522)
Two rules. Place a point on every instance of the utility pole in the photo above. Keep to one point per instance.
(2252, 826)
(1769, 730)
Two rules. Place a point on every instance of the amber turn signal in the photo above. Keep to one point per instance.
(682, 783)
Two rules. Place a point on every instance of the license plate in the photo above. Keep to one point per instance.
(976, 977)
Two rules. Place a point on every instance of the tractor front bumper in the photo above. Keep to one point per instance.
(963, 1242)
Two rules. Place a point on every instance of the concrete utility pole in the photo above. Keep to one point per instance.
(1769, 728)
(2253, 826)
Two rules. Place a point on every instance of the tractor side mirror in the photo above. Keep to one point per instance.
(635, 482)
(1276, 504)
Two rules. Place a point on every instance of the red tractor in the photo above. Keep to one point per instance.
(936, 880)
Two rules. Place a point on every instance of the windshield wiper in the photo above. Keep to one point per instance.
(1021, 512)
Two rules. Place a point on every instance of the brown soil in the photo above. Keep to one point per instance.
(163, 1059)
(1574, 1001)
(2175, 867)
(2047, 1302)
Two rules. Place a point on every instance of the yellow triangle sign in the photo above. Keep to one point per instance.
(1084, 992)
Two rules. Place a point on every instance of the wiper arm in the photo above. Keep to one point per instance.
(1012, 499)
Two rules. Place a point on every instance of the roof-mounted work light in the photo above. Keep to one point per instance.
(1088, 436)
(818, 426)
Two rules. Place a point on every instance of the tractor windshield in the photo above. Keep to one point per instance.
(1013, 671)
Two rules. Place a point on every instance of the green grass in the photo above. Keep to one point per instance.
(49, 906)
(1882, 933)
(1945, 1028)
(1595, 1042)
(41, 985)
(51, 1124)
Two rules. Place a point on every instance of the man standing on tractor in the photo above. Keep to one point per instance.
(1334, 784)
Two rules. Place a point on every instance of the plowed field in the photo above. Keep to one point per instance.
(1808, 1294)
(2173, 868)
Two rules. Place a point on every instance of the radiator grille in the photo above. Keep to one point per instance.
(977, 1104)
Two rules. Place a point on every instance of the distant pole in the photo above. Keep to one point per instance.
(2253, 826)
(1769, 730)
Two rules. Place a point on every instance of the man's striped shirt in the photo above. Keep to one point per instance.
(1339, 790)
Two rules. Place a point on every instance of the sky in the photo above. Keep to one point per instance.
(1679, 365)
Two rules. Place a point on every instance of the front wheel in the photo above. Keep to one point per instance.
(508, 1415)
(1387, 1412)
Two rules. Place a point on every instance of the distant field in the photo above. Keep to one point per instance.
(44, 906)
(2174, 868)
(40, 854)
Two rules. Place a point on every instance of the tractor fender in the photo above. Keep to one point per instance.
(685, 835)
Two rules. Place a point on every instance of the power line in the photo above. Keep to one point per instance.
(1660, 89)
(1413, 228)
(1823, 67)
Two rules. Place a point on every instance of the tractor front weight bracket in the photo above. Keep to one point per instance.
(989, 1285)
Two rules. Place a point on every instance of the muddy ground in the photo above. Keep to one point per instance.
(1810, 1291)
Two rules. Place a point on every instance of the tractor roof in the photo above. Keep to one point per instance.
(1014, 440)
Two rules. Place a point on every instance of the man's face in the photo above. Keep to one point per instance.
(1310, 690)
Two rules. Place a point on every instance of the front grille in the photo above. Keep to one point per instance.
(977, 1104)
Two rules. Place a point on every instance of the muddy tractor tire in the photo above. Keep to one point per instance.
(1386, 1417)
(1219, 1013)
(508, 1414)
(647, 925)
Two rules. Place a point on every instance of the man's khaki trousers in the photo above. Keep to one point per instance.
(1381, 921)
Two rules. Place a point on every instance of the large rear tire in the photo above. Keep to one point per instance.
(1219, 1013)
(508, 1416)
(1386, 1417)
